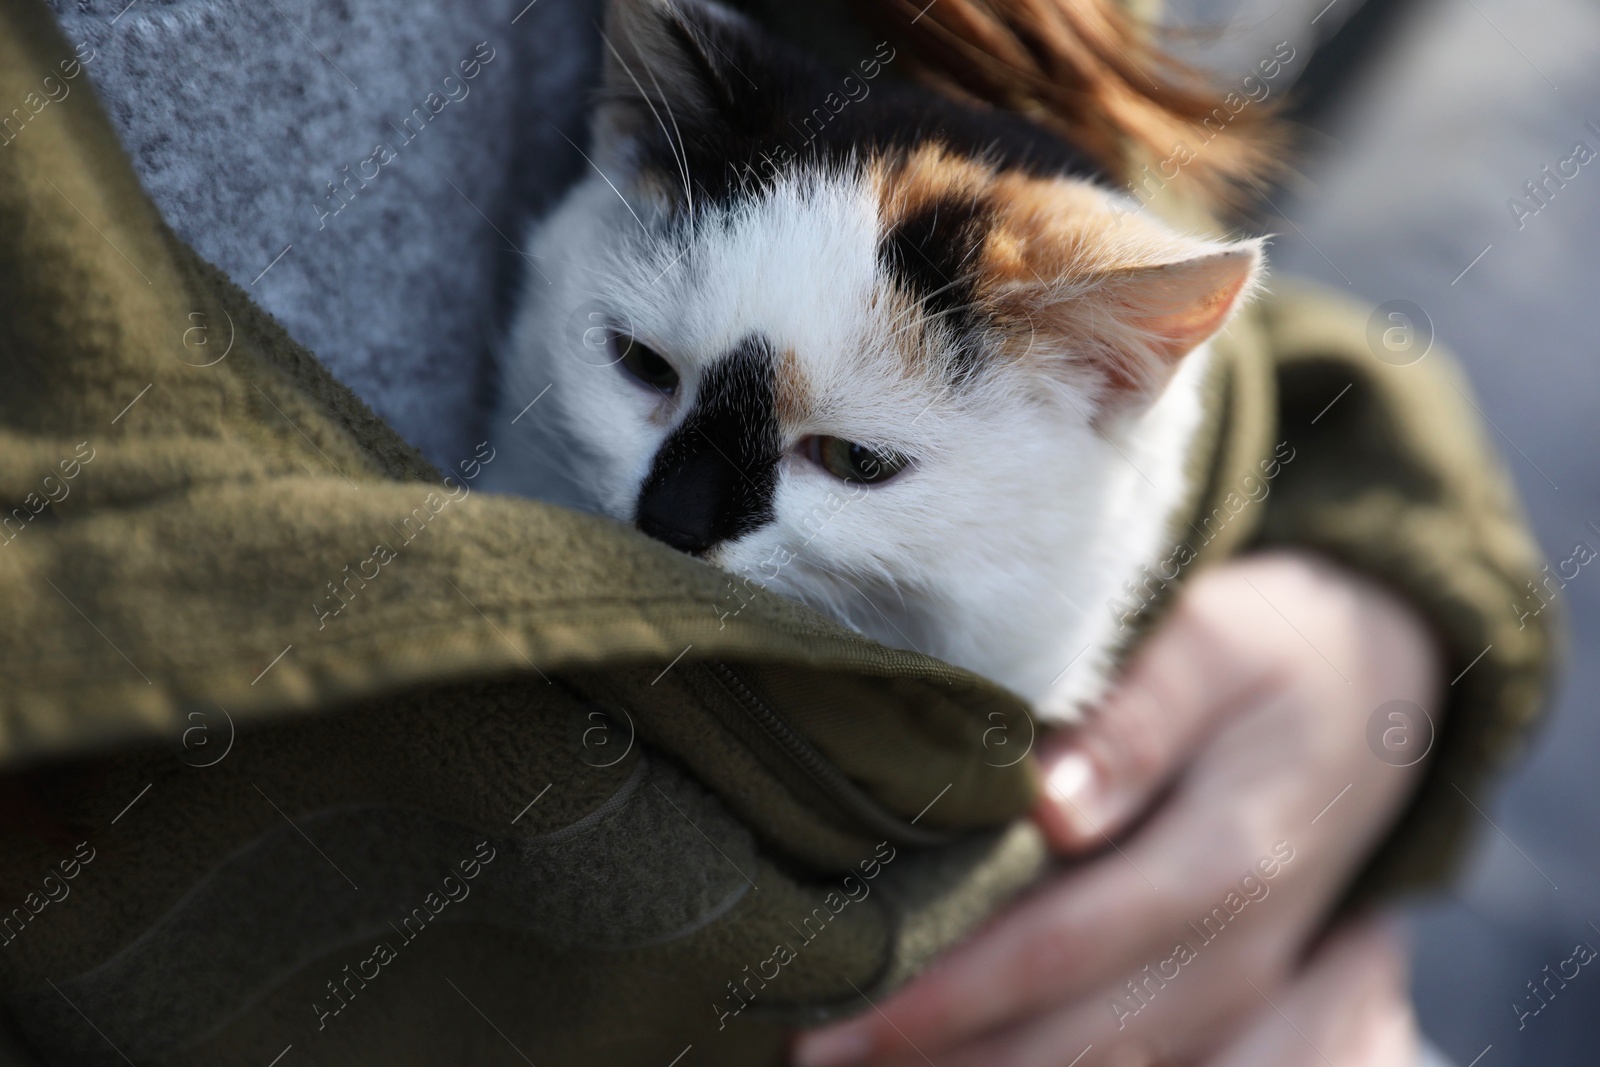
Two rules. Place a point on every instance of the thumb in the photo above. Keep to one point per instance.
(1182, 686)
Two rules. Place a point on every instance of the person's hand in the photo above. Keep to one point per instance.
(1350, 1003)
(1245, 717)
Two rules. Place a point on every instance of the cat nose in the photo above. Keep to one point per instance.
(669, 525)
(685, 502)
(714, 477)
(695, 498)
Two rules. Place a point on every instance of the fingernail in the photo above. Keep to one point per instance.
(832, 1048)
(1071, 777)
(1073, 786)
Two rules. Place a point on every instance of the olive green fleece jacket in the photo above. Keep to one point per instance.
(519, 788)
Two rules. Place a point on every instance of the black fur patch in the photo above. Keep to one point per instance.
(931, 254)
(713, 479)
(766, 108)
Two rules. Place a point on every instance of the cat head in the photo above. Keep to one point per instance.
(850, 340)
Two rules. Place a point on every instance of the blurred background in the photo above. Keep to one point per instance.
(1443, 109)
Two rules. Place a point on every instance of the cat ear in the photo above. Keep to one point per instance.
(668, 75)
(1134, 323)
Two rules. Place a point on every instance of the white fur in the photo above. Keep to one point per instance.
(998, 550)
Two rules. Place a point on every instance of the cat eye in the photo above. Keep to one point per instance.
(644, 364)
(854, 462)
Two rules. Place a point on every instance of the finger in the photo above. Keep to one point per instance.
(1106, 919)
(1183, 1002)
(1033, 954)
(1070, 1035)
(1086, 928)
(1348, 1008)
(1177, 691)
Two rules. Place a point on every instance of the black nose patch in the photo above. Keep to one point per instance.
(714, 477)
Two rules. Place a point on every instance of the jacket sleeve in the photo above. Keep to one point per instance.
(1394, 478)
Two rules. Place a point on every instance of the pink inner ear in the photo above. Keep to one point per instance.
(1178, 306)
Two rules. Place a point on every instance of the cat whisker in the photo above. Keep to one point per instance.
(642, 227)
(839, 577)
(922, 301)
(679, 152)
(924, 320)
(880, 573)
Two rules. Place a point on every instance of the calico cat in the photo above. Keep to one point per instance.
(914, 363)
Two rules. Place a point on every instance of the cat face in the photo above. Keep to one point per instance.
(894, 360)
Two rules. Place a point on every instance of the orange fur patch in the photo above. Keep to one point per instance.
(920, 179)
(791, 390)
(1050, 244)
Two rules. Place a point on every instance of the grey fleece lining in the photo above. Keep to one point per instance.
(238, 115)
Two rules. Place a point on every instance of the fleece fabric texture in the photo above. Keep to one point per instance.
(297, 144)
(308, 748)
(401, 753)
